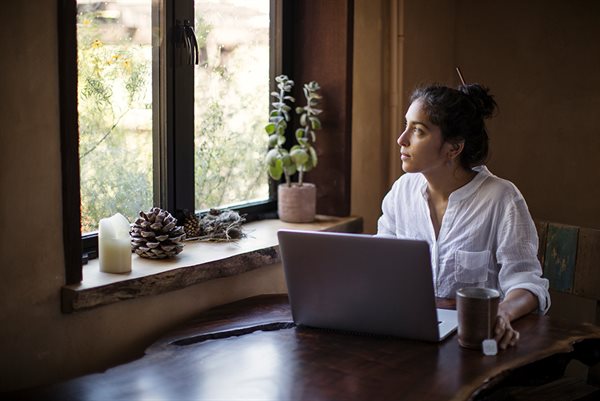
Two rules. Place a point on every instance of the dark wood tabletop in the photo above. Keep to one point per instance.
(252, 350)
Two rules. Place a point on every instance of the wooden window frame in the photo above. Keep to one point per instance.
(316, 45)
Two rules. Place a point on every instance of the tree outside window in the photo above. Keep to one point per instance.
(115, 105)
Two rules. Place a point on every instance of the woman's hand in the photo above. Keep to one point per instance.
(504, 334)
(517, 303)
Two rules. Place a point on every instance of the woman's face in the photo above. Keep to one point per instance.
(422, 148)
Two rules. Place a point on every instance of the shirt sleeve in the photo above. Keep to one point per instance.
(386, 225)
(517, 255)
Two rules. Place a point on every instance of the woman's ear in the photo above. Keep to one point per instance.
(456, 149)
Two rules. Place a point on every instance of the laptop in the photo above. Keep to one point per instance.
(362, 283)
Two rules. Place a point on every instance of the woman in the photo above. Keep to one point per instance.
(477, 225)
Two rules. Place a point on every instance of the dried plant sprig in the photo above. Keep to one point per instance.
(220, 226)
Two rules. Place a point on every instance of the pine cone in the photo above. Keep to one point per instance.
(155, 235)
(191, 225)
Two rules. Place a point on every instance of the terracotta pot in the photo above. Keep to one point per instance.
(297, 204)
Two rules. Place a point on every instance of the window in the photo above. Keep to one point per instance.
(165, 123)
(220, 87)
(114, 63)
(298, 30)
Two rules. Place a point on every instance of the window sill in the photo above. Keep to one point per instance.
(199, 261)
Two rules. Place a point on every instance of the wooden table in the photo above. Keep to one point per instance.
(251, 350)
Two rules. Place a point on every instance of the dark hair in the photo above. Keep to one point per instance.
(460, 114)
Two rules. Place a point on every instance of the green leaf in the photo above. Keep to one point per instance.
(313, 156)
(299, 110)
(276, 119)
(299, 156)
(308, 165)
(291, 169)
(299, 133)
(280, 140)
(270, 128)
(286, 160)
(276, 171)
(273, 140)
(290, 98)
(281, 128)
(313, 136)
(315, 123)
(303, 120)
(272, 157)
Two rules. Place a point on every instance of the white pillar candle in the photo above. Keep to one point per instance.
(114, 245)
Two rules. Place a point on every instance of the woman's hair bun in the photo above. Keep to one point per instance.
(485, 103)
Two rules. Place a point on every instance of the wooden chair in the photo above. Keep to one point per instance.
(570, 257)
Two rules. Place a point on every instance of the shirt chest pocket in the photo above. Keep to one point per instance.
(472, 267)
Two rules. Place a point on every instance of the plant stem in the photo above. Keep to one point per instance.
(110, 130)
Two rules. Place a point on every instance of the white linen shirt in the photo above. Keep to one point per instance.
(487, 237)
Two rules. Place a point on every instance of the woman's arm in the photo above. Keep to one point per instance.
(517, 303)
(516, 253)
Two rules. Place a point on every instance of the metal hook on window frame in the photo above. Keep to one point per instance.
(185, 38)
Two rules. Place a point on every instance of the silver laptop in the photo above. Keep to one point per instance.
(361, 283)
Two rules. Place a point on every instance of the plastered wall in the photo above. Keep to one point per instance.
(540, 59)
(39, 344)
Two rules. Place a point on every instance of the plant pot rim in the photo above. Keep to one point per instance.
(295, 184)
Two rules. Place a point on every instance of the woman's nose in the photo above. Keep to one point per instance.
(403, 139)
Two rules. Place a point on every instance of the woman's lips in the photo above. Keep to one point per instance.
(404, 156)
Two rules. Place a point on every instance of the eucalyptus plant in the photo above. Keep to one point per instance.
(302, 157)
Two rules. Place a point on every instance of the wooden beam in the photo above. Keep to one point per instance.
(322, 44)
(69, 140)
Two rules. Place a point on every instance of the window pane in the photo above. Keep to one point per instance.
(231, 102)
(114, 54)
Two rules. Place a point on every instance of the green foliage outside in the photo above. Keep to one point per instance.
(115, 160)
(231, 100)
(115, 124)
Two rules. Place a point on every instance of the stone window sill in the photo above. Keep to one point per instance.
(199, 261)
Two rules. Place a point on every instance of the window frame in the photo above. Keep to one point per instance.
(173, 111)
(302, 23)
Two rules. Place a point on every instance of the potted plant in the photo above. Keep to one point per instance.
(296, 201)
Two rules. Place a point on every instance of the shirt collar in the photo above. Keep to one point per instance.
(469, 189)
(466, 190)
